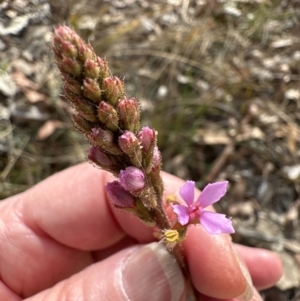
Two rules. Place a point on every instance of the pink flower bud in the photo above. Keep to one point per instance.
(85, 51)
(91, 89)
(82, 124)
(91, 69)
(105, 140)
(128, 142)
(132, 179)
(105, 136)
(100, 158)
(84, 108)
(113, 89)
(70, 66)
(129, 112)
(64, 33)
(147, 137)
(71, 85)
(63, 39)
(108, 115)
(156, 157)
(119, 196)
(130, 145)
(64, 48)
(104, 71)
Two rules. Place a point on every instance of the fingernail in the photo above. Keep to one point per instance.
(248, 293)
(152, 273)
(256, 297)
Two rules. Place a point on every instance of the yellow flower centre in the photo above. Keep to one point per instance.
(171, 236)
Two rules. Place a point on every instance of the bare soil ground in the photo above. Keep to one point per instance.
(219, 80)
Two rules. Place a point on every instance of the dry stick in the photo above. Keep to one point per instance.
(13, 160)
(228, 150)
(219, 162)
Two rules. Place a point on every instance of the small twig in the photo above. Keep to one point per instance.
(13, 160)
(219, 162)
(291, 245)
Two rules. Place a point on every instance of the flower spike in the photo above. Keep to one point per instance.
(110, 121)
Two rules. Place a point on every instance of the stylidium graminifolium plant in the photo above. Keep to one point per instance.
(110, 121)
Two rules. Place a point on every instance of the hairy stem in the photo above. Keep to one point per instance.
(163, 222)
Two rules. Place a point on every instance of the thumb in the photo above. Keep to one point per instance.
(146, 273)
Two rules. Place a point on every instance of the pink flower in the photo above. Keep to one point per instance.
(213, 223)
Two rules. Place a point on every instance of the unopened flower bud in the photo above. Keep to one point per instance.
(108, 115)
(105, 140)
(113, 89)
(85, 51)
(82, 124)
(154, 173)
(71, 85)
(84, 108)
(104, 71)
(102, 135)
(119, 196)
(132, 179)
(63, 34)
(65, 48)
(91, 69)
(156, 157)
(147, 137)
(63, 42)
(129, 143)
(129, 112)
(100, 158)
(91, 89)
(70, 66)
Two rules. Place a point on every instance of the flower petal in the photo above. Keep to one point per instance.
(212, 193)
(187, 192)
(182, 214)
(216, 223)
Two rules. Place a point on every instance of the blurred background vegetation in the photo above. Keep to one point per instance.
(219, 80)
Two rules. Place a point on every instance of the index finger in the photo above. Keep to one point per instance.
(71, 207)
(47, 231)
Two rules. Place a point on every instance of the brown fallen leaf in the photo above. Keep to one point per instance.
(28, 87)
(23, 82)
(33, 96)
(48, 128)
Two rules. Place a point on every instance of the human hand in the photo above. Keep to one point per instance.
(61, 240)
